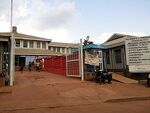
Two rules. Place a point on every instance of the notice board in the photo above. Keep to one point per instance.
(138, 54)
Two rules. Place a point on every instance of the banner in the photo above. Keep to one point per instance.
(91, 58)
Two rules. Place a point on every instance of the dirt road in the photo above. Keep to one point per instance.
(36, 92)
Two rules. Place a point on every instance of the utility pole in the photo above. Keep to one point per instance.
(12, 52)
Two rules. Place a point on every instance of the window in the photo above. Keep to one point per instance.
(58, 49)
(44, 45)
(63, 50)
(30, 44)
(49, 48)
(38, 45)
(107, 58)
(25, 43)
(118, 56)
(67, 50)
(100, 54)
(54, 49)
(100, 66)
(17, 43)
(73, 50)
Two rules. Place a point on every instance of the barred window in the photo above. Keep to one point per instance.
(58, 49)
(25, 43)
(54, 49)
(63, 50)
(44, 45)
(38, 44)
(30, 44)
(17, 43)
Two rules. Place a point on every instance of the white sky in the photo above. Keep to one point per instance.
(69, 20)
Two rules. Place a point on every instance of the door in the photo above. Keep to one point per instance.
(101, 61)
(22, 61)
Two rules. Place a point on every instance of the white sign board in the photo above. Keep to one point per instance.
(139, 68)
(138, 54)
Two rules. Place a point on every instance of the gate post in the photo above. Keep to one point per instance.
(12, 55)
(81, 60)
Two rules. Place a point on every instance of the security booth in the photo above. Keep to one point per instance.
(4, 60)
(93, 60)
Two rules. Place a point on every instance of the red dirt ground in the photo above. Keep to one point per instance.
(42, 92)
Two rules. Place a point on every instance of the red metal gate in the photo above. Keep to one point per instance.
(55, 64)
(69, 65)
(74, 62)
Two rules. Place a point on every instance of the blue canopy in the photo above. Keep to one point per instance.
(94, 46)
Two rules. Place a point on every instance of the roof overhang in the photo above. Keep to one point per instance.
(94, 46)
(4, 38)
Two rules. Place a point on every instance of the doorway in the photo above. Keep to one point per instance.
(22, 61)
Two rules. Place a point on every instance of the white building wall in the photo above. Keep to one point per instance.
(34, 44)
(41, 45)
(21, 43)
(47, 45)
(29, 59)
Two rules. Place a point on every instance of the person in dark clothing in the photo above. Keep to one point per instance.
(21, 67)
(98, 77)
(6, 79)
(38, 66)
(109, 78)
(6, 75)
(29, 66)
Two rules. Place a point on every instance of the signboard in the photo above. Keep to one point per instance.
(139, 68)
(138, 54)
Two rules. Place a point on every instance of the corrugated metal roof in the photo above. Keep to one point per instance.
(24, 36)
(61, 44)
(115, 45)
(94, 46)
(117, 36)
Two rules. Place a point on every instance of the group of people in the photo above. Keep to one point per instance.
(37, 65)
(103, 76)
(29, 66)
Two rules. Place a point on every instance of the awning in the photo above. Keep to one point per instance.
(94, 46)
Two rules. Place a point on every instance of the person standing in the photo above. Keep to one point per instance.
(6, 75)
(21, 67)
(98, 77)
(30, 66)
(37, 66)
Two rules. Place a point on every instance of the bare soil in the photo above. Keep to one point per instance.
(42, 92)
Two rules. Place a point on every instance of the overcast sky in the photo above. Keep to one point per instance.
(70, 20)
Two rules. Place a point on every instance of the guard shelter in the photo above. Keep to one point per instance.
(93, 59)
